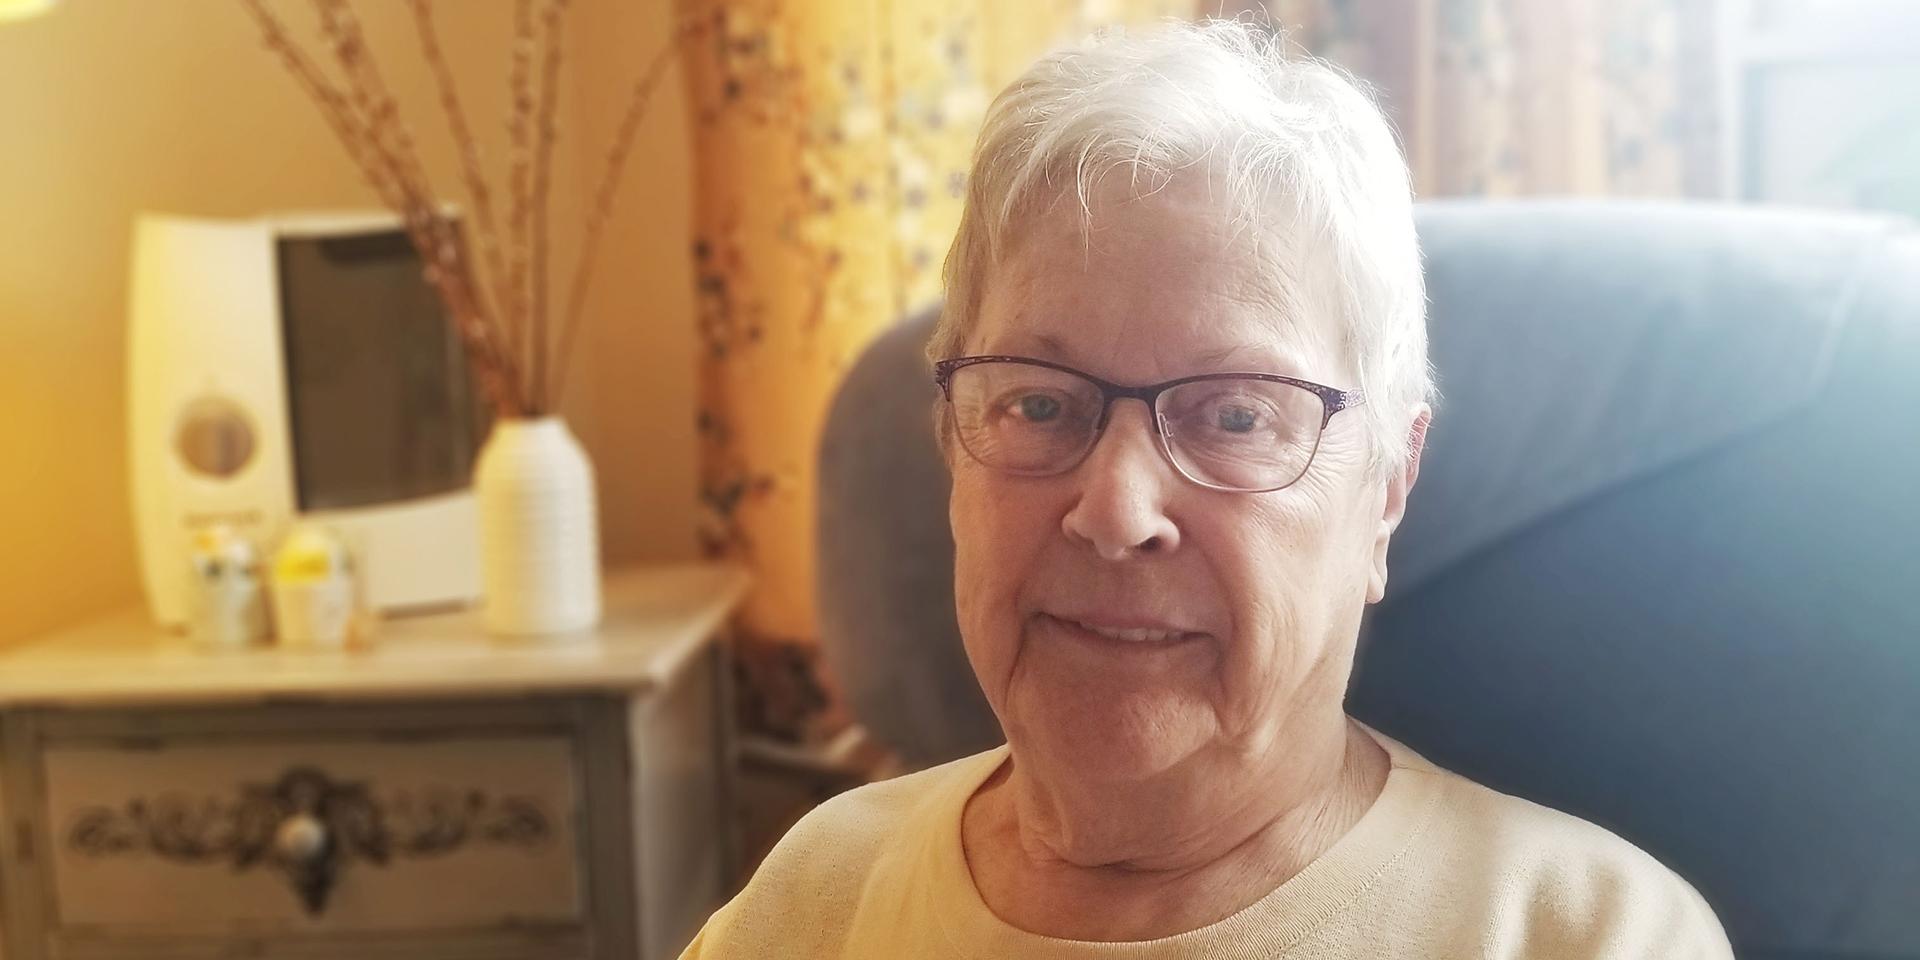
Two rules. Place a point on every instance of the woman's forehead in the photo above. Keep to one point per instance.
(1150, 295)
(1142, 286)
(1147, 360)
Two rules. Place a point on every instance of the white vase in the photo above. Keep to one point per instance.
(539, 534)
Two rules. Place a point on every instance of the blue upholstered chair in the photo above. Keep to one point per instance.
(1662, 568)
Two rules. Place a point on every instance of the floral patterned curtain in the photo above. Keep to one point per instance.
(831, 141)
(1504, 97)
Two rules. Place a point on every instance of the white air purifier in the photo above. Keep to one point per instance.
(291, 368)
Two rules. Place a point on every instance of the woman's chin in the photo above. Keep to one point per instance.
(1107, 739)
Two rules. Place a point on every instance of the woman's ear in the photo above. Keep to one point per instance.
(1399, 486)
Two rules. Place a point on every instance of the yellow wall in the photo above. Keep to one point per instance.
(110, 107)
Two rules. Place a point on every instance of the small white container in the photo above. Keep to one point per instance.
(313, 590)
(316, 615)
(228, 602)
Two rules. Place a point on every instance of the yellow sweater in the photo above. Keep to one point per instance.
(1438, 867)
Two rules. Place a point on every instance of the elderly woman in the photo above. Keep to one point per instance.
(1183, 394)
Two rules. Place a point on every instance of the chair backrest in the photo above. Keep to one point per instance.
(1661, 570)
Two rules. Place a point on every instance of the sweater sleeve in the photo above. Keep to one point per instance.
(793, 907)
(694, 951)
(1619, 905)
(805, 894)
(1681, 927)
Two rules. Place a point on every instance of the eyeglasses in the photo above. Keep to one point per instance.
(1244, 432)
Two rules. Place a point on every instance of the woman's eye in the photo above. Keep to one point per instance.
(1236, 419)
(1038, 407)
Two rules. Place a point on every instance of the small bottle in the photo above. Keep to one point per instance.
(314, 602)
(229, 605)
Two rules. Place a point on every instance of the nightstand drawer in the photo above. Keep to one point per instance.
(483, 830)
(317, 836)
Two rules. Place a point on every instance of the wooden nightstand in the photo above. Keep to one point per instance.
(442, 794)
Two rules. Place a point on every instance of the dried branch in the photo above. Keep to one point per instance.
(437, 238)
(387, 138)
(349, 126)
(509, 340)
(485, 228)
(391, 138)
(520, 95)
(608, 188)
(553, 22)
(333, 106)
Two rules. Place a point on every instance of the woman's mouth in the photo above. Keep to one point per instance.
(1104, 630)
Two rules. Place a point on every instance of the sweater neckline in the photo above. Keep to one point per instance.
(1270, 925)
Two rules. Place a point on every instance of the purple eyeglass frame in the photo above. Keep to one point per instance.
(1332, 400)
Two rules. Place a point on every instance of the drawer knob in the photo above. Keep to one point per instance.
(302, 838)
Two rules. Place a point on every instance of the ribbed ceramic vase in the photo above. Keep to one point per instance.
(539, 533)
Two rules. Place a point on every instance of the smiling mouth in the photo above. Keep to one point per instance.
(1127, 636)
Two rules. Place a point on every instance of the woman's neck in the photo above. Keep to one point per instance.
(1170, 857)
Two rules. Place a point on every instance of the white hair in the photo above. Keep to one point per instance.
(1293, 139)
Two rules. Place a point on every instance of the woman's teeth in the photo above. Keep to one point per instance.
(1133, 634)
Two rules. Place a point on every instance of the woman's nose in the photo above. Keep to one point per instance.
(1124, 484)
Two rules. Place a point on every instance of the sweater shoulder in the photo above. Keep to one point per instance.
(1561, 885)
(803, 896)
(860, 822)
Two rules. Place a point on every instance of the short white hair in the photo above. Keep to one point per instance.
(1291, 137)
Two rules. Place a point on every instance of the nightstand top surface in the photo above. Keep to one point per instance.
(654, 619)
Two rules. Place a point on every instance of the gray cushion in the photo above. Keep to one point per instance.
(1660, 569)
(1670, 583)
(886, 559)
